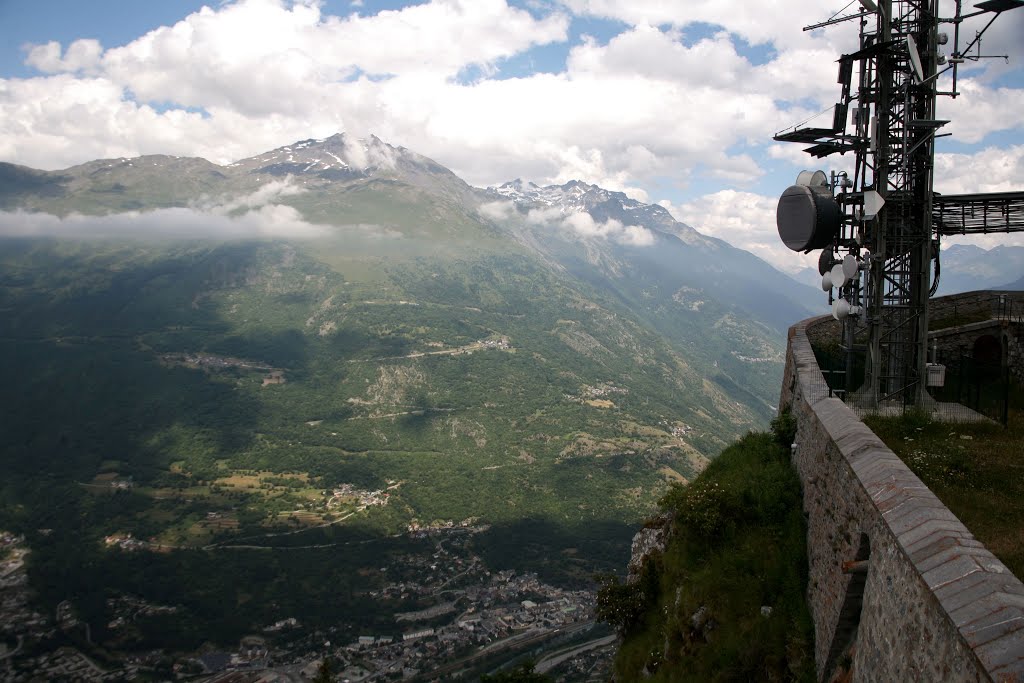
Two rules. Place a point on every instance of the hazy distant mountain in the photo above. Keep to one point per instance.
(969, 267)
(679, 264)
(1018, 284)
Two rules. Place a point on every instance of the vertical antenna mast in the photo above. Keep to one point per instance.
(879, 251)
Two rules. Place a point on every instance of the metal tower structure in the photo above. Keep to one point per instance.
(879, 227)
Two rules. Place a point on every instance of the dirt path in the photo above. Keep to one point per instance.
(232, 543)
(475, 346)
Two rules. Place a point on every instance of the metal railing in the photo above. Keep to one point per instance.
(964, 309)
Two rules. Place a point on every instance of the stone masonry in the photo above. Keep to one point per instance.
(1004, 311)
(934, 604)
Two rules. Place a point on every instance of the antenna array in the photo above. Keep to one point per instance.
(882, 223)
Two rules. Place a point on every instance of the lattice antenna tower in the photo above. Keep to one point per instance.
(879, 228)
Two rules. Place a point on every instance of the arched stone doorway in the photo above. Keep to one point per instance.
(988, 350)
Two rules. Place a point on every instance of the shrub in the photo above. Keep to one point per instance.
(623, 605)
(737, 545)
(784, 428)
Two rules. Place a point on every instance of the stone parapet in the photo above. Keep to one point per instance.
(933, 603)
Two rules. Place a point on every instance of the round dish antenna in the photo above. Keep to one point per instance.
(812, 179)
(850, 266)
(838, 275)
(841, 308)
(808, 216)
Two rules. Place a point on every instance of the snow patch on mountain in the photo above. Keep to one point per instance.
(576, 195)
(338, 155)
(587, 210)
(567, 207)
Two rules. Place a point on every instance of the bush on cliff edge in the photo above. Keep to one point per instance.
(725, 600)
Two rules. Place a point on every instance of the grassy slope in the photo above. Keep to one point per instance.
(503, 435)
(737, 544)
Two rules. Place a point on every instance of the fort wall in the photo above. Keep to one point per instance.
(892, 571)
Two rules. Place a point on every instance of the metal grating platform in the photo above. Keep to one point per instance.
(977, 214)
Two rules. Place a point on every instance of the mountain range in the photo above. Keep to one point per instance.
(969, 267)
(340, 340)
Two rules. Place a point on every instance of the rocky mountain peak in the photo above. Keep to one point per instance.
(578, 196)
(338, 157)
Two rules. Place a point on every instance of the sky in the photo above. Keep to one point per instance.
(671, 102)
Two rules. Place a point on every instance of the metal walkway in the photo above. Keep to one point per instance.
(977, 214)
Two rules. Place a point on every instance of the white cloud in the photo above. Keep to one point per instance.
(273, 220)
(62, 120)
(268, 193)
(981, 110)
(790, 153)
(583, 225)
(544, 215)
(755, 22)
(262, 56)
(989, 170)
(497, 211)
(576, 223)
(257, 215)
(264, 73)
(745, 220)
(649, 106)
(363, 157)
(635, 236)
(81, 55)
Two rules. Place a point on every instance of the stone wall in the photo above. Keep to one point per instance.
(1015, 352)
(919, 597)
(959, 316)
(958, 309)
(951, 340)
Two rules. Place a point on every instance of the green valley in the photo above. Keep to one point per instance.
(276, 421)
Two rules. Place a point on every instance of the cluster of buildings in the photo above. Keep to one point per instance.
(66, 664)
(602, 391)
(465, 615)
(676, 429)
(282, 625)
(211, 361)
(12, 558)
(502, 343)
(418, 529)
(125, 542)
(366, 499)
(469, 610)
(498, 618)
(776, 358)
(128, 608)
(680, 431)
(19, 620)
